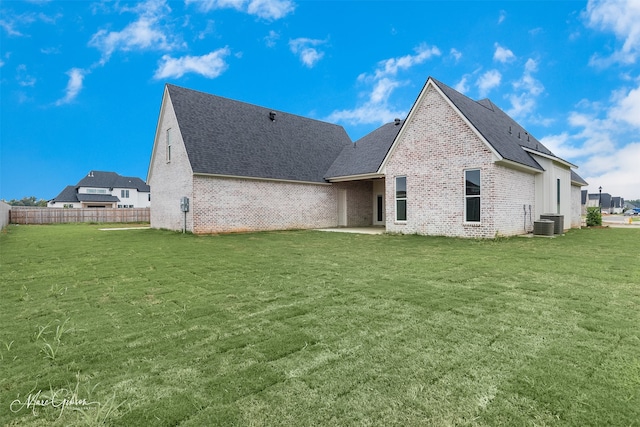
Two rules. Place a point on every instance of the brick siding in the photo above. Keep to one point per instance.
(434, 151)
(169, 181)
(223, 205)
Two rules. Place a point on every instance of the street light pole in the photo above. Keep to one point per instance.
(600, 199)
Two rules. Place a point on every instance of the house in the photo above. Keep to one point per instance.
(608, 203)
(104, 190)
(453, 167)
(617, 205)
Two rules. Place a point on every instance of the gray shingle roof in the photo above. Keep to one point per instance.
(577, 178)
(100, 179)
(504, 134)
(227, 137)
(365, 155)
(67, 195)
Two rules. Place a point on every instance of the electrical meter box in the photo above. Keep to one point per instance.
(184, 204)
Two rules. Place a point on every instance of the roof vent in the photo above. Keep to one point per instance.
(396, 122)
(272, 116)
(509, 130)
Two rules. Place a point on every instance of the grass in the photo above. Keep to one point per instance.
(148, 327)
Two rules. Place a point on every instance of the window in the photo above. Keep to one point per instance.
(558, 195)
(96, 191)
(401, 198)
(124, 194)
(168, 145)
(472, 195)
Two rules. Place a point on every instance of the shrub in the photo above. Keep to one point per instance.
(594, 217)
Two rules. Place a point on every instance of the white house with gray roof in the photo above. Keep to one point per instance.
(104, 190)
(453, 167)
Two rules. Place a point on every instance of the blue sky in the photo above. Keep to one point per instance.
(81, 81)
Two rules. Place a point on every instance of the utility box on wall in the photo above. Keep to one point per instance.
(184, 204)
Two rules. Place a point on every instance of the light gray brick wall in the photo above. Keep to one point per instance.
(359, 202)
(169, 181)
(227, 205)
(436, 147)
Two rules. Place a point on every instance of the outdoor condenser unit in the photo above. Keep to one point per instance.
(543, 227)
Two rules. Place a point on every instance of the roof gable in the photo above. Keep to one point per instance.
(226, 137)
(503, 133)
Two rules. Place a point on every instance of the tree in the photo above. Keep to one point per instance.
(28, 201)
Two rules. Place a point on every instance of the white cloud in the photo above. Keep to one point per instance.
(382, 83)
(270, 9)
(12, 24)
(74, 86)
(620, 178)
(604, 142)
(9, 27)
(266, 9)
(271, 39)
(144, 33)
(23, 77)
(463, 85)
(210, 65)
(306, 49)
(488, 81)
(527, 90)
(209, 29)
(628, 108)
(502, 54)
(455, 54)
(390, 67)
(502, 16)
(622, 17)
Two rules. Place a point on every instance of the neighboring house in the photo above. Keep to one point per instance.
(617, 205)
(454, 167)
(608, 203)
(104, 190)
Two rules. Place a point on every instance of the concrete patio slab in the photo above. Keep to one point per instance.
(356, 230)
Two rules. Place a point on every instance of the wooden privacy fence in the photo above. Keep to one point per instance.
(22, 215)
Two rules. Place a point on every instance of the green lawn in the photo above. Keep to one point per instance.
(307, 328)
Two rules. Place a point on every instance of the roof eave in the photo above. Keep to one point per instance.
(547, 156)
(358, 177)
(257, 178)
(518, 166)
(165, 98)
